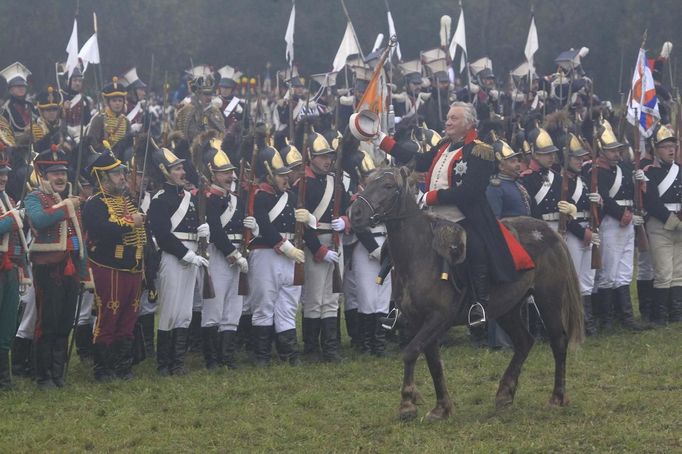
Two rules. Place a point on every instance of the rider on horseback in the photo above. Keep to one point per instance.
(458, 172)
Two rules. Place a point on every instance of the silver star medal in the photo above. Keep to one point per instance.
(537, 235)
(461, 168)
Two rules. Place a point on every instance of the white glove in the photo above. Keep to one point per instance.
(236, 258)
(238, 109)
(195, 259)
(216, 102)
(375, 254)
(542, 95)
(331, 257)
(74, 131)
(637, 220)
(567, 208)
(203, 231)
(378, 138)
(595, 240)
(594, 197)
(306, 217)
(338, 224)
(639, 175)
(494, 94)
(292, 252)
(136, 127)
(251, 224)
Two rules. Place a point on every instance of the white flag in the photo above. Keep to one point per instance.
(89, 53)
(391, 32)
(289, 36)
(459, 39)
(348, 47)
(531, 44)
(72, 49)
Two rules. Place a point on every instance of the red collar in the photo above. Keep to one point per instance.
(267, 187)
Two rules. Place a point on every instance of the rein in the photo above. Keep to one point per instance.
(377, 218)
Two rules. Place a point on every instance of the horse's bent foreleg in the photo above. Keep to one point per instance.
(443, 406)
(513, 325)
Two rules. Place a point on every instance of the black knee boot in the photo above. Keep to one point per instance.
(351, 317)
(378, 341)
(605, 299)
(244, 337)
(675, 313)
(84, 342)
(194, 333)
(311, 336)
(164, 352)
(43, 353)
(59, 354)
(660, 306)
(5, 376)
(645, 297)
(228, 349)
(209, 336)
(366, 329)
(329, 339)
(147, 323)
(122, 359)
(22, 362)
(179, 348)
(624, 302)
(101, 356)
(262, 344)
(481, 290)
(590, 327)
(287, 347)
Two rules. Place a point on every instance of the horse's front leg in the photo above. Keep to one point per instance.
(409, 396)
(443, 407)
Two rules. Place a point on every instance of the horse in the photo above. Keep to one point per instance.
(431, 305)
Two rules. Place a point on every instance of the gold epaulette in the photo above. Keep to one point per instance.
(483, 150)
(6, 134)
(38, 131)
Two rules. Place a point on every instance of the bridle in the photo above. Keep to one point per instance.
(376, 218)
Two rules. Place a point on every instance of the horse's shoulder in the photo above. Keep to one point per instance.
(483, 150)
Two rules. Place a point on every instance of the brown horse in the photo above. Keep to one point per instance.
(431, 305)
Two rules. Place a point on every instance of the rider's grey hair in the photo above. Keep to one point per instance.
(469, 112)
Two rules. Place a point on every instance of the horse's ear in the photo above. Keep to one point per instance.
(405, 173)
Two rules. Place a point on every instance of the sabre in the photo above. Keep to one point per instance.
(146, 147)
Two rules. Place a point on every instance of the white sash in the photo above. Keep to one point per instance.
(146, 200)
(279, 206)
(669, 179)
(544, 189)
(578, 189)
(326, 198)
(231, 106)
(136, 110)
(76, 99)
(616, 183)
(180, 213)
(229, 211)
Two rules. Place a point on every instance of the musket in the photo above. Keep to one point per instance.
(594, 184)
(208, 291)
(247, 187)
(642, 240)
(299, 270)
(165, 125)
(336, 213)
(29, 156)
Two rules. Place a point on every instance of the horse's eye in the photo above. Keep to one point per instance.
(388, 185)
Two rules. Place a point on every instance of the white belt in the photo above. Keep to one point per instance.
(185, 236)
(234, 236)
(324, 226)
(582, 215)
(624, 203)
(673, 206)
(550, 217)
(288, 236)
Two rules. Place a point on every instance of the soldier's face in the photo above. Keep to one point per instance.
(612, 155)
(511, 167)
(575, 164)
(457, 125)
(116, 104)
(546, 160)
(57, 180)
(18, 91)
(3, 180)
(281, 182)
(666, 152)
(116, 182)
(177, 175)
(76, 83)
(50, 114)
(141, 93)
(322, 164)
(225, 91)
(224, 179)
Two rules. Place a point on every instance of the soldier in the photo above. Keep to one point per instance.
(17, 110)
(225, 215)
(663, 203)
(136, 100)
(272, 297)
(459, 169)
(226, 91)
(200, 114)
(111, 125)
(59, 263)
(76, 104)
(12, 260)
(505, 193)
(617, 231)
(174, 224)
(46, 129)
(320, 303)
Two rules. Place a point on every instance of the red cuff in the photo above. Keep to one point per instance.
(347, 222)
(431, 198)
(626, 219)
(321, 252)
(387, 144)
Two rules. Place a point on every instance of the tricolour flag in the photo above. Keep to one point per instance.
(642, 101)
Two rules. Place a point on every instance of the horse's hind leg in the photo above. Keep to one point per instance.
(513, 325)
(443, 406)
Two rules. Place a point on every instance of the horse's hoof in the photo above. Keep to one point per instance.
(408, 414)
(437, 414)
(503, 402)
(417, 398)
(559, 401)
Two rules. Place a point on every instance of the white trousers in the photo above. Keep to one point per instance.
(225, 309)
(273, 298)
(350, 294)
(617, 254)
(666, 253)
(176, 283)
(85, 317)
(582, 261)
(319, 301)
(27, 327)
(372, 297)
(147, 307)
(645, 266)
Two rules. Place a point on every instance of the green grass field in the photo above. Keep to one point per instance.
(625, 391)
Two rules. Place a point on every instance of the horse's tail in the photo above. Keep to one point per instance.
(572, 317)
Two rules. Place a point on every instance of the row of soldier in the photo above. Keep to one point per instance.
(203, 158)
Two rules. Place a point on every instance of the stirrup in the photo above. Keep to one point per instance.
(479, 319)
(389, 322)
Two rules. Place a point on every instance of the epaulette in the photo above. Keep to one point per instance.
(442, 142)
(495, 182)
(483, 150)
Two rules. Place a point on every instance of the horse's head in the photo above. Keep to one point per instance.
(381, 199)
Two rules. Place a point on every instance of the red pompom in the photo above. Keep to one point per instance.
(69, 269)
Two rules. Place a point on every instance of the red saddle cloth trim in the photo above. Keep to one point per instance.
(522, 260)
